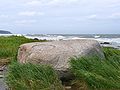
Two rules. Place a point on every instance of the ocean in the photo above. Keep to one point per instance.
(109, 40)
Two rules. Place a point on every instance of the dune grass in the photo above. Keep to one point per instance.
(111, 53)
(96, 73)
(26, 76)
(92, 73)
(9, 46)
(32, 77)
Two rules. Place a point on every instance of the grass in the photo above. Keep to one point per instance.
(26, 76)
(111, 53)
(96, 73)
(92, 73)
(9, 46)
(32, 77)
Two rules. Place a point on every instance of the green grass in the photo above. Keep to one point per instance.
(26, 76)
(92, 73)
(111, 53)
(98, 74)
(32, 77)
(9, 46)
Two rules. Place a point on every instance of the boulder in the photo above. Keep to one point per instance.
(58, 53)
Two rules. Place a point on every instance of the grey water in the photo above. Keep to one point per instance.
(112, 39)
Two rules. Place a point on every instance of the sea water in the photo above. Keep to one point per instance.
(112, 39)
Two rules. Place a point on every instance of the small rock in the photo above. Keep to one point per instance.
(1, 76)
(36, 39)
(105, 43)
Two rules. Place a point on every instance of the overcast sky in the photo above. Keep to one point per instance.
(60, 16)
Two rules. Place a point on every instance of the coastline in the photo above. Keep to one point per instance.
(105, 40)
(10, 51)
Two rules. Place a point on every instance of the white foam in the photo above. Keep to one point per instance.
(48, 37)
(11, 35)
(113, 41)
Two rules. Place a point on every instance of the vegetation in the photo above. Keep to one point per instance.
(96, 73)
(26, 76)
(92, 73)
(9, 46)
(111, 53)
(32, 77)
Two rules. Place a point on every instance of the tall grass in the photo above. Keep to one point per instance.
(111, 53)
(9, 45)
(32, 77)
(26, 76)
(98, 74)
(92, 73)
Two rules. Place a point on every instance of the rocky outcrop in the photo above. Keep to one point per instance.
(58, 53)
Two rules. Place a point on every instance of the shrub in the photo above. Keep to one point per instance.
(32, 77)
(97, 73)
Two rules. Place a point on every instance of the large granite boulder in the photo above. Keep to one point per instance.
(58, 53)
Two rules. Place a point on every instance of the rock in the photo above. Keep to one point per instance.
(3, 84)
(36, 39)
(58, 53)
(1, 76)
(105, 43)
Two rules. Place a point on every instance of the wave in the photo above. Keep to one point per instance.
(113, 41)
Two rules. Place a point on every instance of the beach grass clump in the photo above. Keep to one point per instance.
(9, 46)
(32, 77)
(97, 73)
(110, 52)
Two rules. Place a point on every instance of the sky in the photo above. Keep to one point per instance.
(60, 16)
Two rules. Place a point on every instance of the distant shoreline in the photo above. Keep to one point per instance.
(5, 32)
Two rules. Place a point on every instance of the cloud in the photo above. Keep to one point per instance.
(102, 3)
(56, 2)
(3, 16)
(25, 21)
(115, 15)
(92, 16)
(51, 2)
(40, 13)
(30, 13)
(36, 2)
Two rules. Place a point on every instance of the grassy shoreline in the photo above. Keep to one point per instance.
(92, 73)
(9, 47)
(97, 73)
